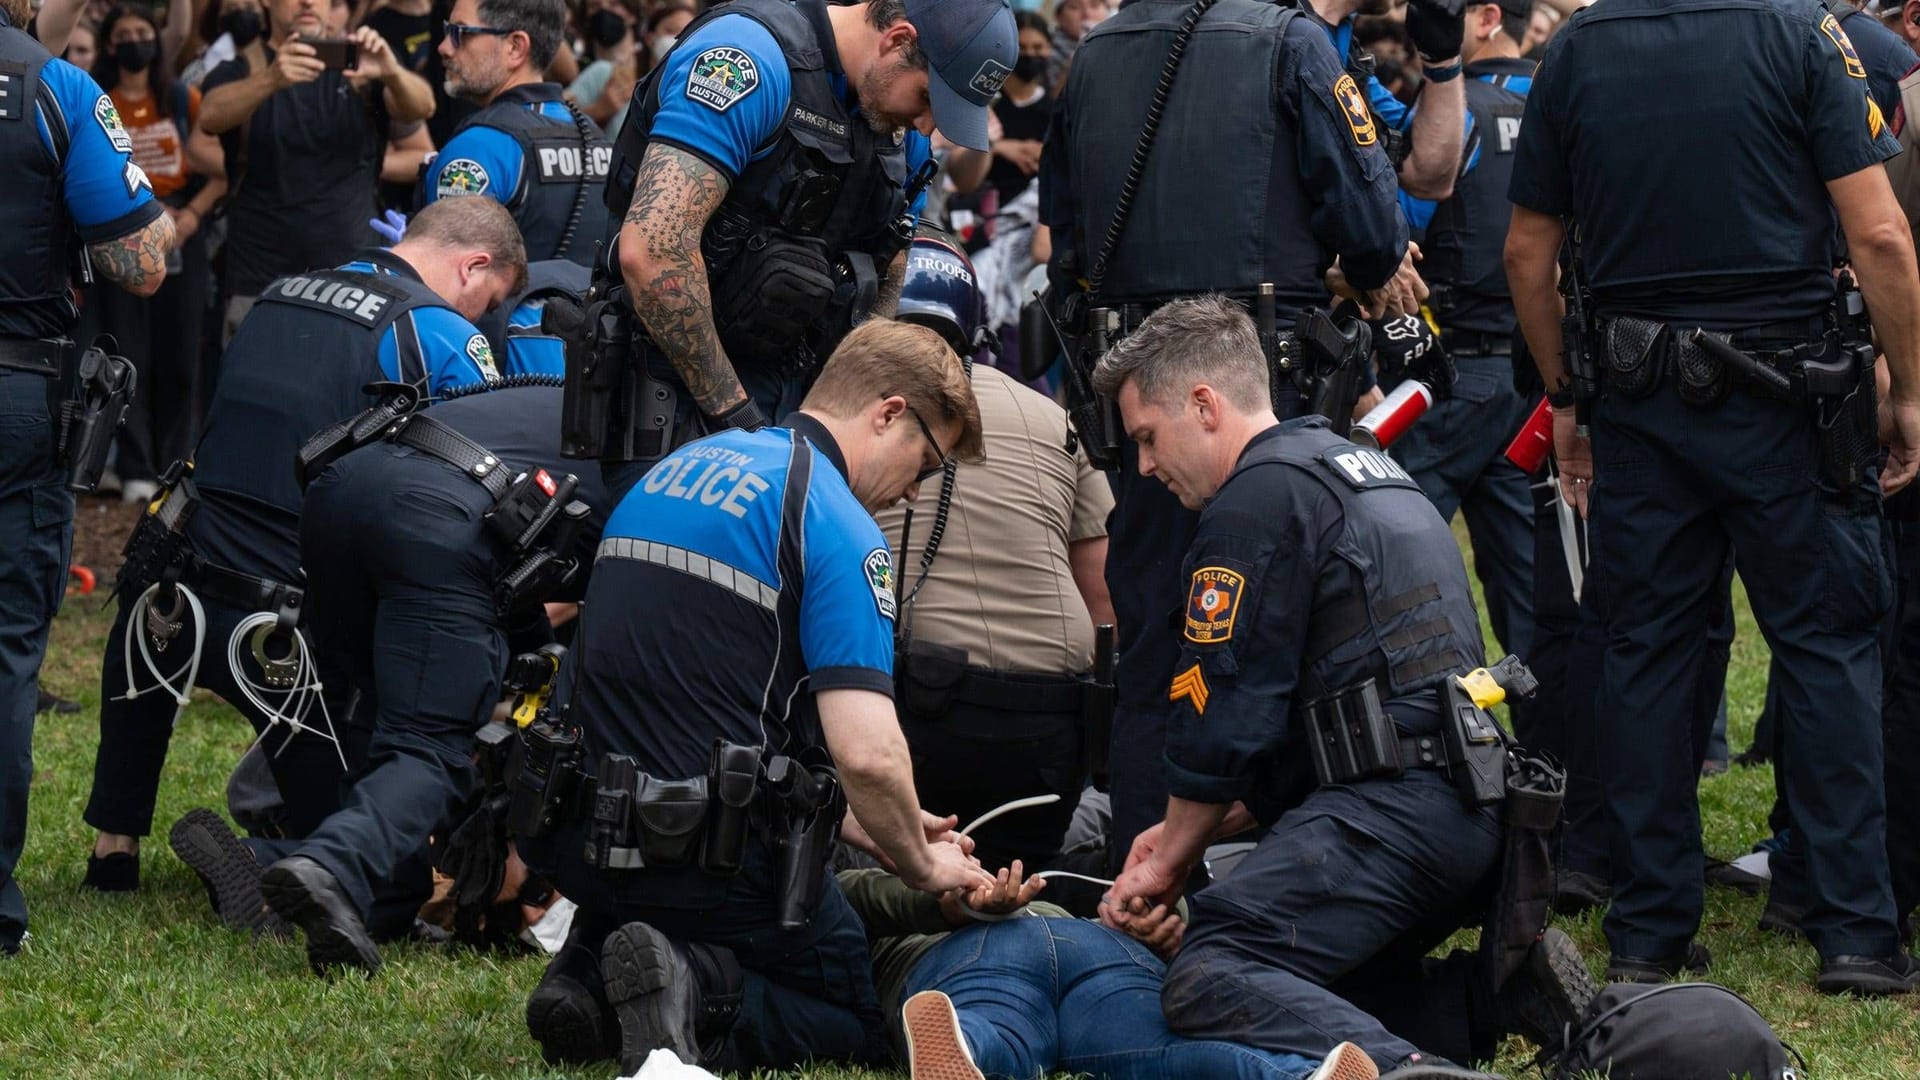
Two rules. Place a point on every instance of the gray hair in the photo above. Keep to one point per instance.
(1206, 339)
(543, 21)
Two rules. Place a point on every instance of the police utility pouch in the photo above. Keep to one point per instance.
(157, 548)
(670, 815)
(1636, 356)
(1703, 379)
(733, 777)
(927, 678)
(1352, 737)
(776, 288)
(90, 422)
(542, 773)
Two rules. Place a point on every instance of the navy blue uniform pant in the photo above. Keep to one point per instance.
(36, 538)
(400, 575)
(1675, 489)
(1318, 936)
(1456, 453)
(134, 735)
(808, 992)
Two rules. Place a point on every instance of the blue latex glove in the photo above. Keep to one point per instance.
(391, 224)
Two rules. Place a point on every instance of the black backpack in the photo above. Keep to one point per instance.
(1694, 1031)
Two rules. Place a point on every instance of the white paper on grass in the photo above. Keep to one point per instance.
(663, 1064)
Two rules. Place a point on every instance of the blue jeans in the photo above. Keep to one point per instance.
(36, 539)
(1042, 995)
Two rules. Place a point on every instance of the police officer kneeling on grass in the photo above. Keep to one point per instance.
(1328, 611)
(420, 551)
(731, 701)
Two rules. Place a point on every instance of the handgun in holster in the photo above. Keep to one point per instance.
(1095, 417)
(610, 408)
(1097, 701)
(1331, 359)
(1476, 744)
(1838, 377)
(808, 805)
(336, 440)
(1580, 341)
(91, 420)
(543, 772)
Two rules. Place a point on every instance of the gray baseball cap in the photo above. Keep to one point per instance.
(971, 46)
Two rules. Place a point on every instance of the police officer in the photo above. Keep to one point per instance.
(1696, 449)
(301, 361)
(527, 147)
(1454, 451)
(764, 539)
(743, 257)
(413, 585)
(1000, 589)
(70, 181)
(1321, 586)
(1293, 181)
(1422, 143)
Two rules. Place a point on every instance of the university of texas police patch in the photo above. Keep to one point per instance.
(1212, 604)
(1354, 108)
(722, 76)
(462, 176)
(1830, 26)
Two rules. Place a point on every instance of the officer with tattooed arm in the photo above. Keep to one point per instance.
(745, 252)
(75, 204)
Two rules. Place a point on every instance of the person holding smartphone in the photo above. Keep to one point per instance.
(303, 141)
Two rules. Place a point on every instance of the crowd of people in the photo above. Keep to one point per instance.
(919, 530)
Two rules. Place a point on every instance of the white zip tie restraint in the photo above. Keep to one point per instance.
(299, 697)
(1008, 808)
(136, 622)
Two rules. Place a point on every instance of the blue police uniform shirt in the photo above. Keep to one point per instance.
(1729, 225)
(533, 354)
(455, 352)
(483, 160)
(1420, 211)
(681, 642)
(743, 131)
(106, 193)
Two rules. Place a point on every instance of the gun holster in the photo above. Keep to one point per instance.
(104, 386)
(1332, 356)
(1840, 387)
(611, 408)
(335, 441)
(927, 678)
(809, 805)
(1476, 747)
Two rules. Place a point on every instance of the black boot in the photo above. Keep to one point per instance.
(1548, 994)
(669, 996)
(1692, 960)
(568, 1014)
(203, 841)
(116, 871)
(305, 894)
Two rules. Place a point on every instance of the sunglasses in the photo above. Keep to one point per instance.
(459, 33)
(929, 473)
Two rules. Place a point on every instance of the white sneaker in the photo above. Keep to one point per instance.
(1347, 1062)
(138, 491)
(936, 1050)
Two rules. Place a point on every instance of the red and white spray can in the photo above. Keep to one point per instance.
(1391, 418)
(1529, 447)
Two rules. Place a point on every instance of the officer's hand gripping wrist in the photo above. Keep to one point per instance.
(1436, 27)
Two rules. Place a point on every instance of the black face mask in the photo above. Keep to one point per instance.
(606, 28)
(1029, 68)
(135, 56)
(243, 25)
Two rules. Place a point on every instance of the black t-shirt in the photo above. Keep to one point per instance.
(1018, 122)
(307, 184)
(415, 39)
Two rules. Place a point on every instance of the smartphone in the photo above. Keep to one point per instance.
(336, 54)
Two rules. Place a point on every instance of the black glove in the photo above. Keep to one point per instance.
(1408, 349)
(1436, 27)
(746, 416)
(475, 855)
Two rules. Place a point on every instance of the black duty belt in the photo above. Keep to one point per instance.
(1477, 343)
(437, 440)
(1004, 692)
(39, 356)
(1424, 752)
(240, 591)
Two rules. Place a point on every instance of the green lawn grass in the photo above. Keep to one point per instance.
(148, 985)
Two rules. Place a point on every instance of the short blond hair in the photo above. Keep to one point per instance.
(882, 358)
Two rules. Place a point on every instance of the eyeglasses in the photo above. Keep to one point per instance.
(458, 33)
(928, 474)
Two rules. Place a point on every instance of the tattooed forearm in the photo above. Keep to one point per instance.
(137, 262)
(673, 196)
(887, 301)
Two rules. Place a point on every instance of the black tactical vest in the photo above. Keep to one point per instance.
(34, 224)
(828, 179)
(1464, 240)
(1221, 206)
(298, 364)
(562, 166)
(1407, 618)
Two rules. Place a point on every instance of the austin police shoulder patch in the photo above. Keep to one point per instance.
(1354, 107)
(1213, 603)
(1830, 26)
(480, 351)
(1191, 685)
(722, 76)
(879, 568)
(462, 176)
(108, 118)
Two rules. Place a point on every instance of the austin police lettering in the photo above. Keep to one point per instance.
(711, 481)
(348, 299)
(1364, 468)
(563, 162)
